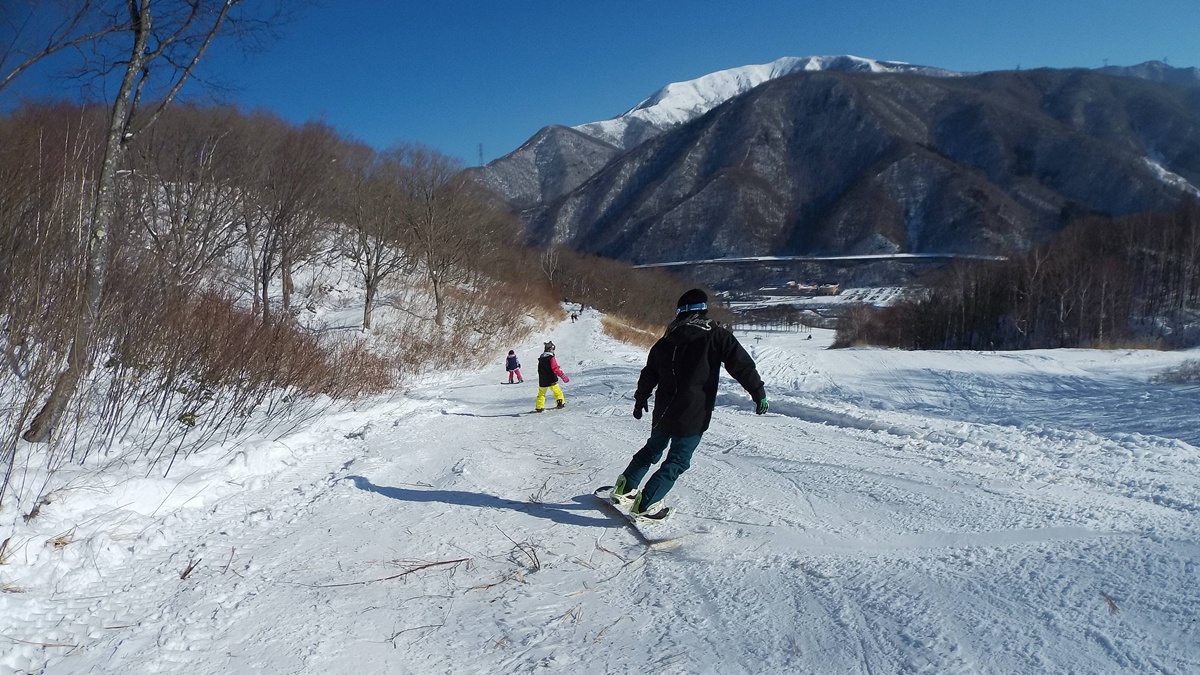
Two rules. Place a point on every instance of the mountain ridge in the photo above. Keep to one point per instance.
(681, 102)
(860, 158)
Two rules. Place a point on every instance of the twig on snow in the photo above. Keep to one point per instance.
(389, 578)
(618, 556)
(625, 566)
(576, 614)
(539, 497)
(61, 541)
(37, 644)
(600, 635)
(228, 564)
(1112, 604)
(191, 566)
(392, 638)
(484, 587)
(528, 549)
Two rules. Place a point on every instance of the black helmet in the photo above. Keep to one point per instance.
(694, 300)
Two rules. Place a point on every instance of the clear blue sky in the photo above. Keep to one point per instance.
(455, 74)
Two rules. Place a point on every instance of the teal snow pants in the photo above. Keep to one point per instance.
(679, 458)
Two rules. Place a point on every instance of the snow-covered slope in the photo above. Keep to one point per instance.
(895, 512)
(680, 102)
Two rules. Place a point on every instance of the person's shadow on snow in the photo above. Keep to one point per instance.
(559, 513)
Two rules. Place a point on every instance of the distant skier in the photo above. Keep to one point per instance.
(513, 366)
(684, 366)
(548, 374)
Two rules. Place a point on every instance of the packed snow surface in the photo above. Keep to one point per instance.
(894, 512)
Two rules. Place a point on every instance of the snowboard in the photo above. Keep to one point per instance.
(603, 495)
(553, 407)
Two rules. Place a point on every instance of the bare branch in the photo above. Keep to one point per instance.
(70, 34)
(405, 573)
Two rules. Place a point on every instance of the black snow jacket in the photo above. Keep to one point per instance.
(548, 370)
(684, 365)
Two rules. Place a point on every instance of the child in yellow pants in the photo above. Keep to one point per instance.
(548, 374)
(540, 404)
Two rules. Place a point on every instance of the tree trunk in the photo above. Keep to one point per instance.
(439, 317)
(285, 274)
(369, 305)
(264, 283)
(96, 262)
(253, 253)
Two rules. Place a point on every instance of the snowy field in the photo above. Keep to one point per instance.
(895, 512)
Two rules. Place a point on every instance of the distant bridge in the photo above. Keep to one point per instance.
(852, 259)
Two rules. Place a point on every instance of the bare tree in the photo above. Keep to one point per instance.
(173, 34)
(290, 188)
(551, 261)
(184, 193)
(373, 210)
(451, 221)
(47, 165)
(39, 29)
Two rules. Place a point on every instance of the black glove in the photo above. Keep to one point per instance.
(638, 407)
(762, 406)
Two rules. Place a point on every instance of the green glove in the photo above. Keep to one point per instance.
(762, 406)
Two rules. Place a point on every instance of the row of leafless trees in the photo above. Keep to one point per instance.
(213, 212)
(777, 317)
(1100, 282)
(138, 55)
(149, 250)
(207, 189)
(644, 296)
(207, 181)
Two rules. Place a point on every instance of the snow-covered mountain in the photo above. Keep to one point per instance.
(1157, 71)
(838, 163)
(681, 102)
(555, 161)
(846, 155)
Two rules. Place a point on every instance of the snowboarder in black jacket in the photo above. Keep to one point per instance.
(684, 366)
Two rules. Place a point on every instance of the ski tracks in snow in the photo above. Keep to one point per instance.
(907, 505)
(161, 587)
(893, 513)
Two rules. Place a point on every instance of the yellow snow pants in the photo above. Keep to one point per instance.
(541, 397)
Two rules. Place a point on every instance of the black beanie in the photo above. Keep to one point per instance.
(694, 300)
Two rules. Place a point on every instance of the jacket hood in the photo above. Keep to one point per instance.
(688, 328)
